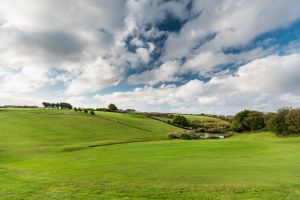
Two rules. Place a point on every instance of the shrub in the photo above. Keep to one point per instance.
(92, 112)
(86, 111)
(215, 130)
(75, 109)
(180, 121)
(293, 121)
(185, 136)
(269, 120)
(201, 130)
(248, 120)
(277, 122)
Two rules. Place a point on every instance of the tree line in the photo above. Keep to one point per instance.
(286, 121)
(61, 105)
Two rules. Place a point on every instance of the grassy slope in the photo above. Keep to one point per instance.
(39, 128)
(248, 166)
(191, 117)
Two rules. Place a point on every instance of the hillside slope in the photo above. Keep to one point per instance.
(23, 129)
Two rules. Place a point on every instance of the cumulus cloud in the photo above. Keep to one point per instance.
(234, 22)
(265, 84)
(94, 76)
(164, 73)
(26, 80)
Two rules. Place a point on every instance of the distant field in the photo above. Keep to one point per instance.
(48, 154)
(200, 117)
(190, 117)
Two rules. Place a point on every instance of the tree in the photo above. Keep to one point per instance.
(293, 121)
(46, 104)
(269, 119)
(61, 105)
(112, 107)
(255, 120)
(180, 121)
(279, 123)
(248, 120)
(92, 112)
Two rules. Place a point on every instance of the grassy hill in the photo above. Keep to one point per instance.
(48, 154)
(41, 128)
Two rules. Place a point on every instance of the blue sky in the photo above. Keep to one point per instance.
(188, 56)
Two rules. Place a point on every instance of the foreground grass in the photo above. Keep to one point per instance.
(247, 166)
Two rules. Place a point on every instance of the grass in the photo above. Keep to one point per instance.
(40, 160)
(201, 117)
(191, 117)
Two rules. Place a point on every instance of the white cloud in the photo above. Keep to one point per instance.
(234, 23)
(164, 73)
(26, 80)
(93, 77)
(265, 84)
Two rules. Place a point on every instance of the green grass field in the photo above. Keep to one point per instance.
(56, 154)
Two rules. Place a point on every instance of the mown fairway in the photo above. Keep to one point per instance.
(48, 154)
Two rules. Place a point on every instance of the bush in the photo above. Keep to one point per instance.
(75, 109)
(269, 120)
(215, 130)
(201, 130)
(277, 122)
(180, 121)
(248, 120)
(92, 112)
(293, 121)
(185, 136)
(86, 111)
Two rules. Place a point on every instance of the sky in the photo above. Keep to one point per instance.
(187, 56)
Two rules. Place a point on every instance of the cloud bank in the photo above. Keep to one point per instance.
(172, 56)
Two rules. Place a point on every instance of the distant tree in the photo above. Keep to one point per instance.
(75, 109)
(46, 104)
(64, 105)
(112, 107)
(57, 105)
(86, 111)
(130, 110)
(92, 112)
(102, 109)
(181, 121)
